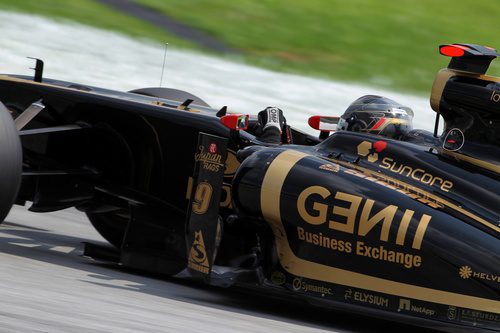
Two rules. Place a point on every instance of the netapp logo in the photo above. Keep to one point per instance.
(405, 305)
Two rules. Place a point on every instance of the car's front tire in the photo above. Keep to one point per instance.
(11, 159)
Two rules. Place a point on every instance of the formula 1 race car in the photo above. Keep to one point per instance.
(405, 229)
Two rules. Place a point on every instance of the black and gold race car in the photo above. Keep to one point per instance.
(407, 229)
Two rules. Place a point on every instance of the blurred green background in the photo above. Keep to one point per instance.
(387, 44)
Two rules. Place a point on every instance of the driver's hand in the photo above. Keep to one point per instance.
(271, 125)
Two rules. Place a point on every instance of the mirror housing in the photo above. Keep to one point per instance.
(235, 122)
(324, 123)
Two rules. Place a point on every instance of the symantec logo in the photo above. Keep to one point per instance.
(366, 148)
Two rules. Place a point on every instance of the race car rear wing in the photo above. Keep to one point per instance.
(469, 57)
(467, 60)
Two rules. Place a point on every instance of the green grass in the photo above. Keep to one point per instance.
(92, 13)
(385, 43)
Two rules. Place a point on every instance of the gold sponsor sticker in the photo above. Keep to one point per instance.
(466, 272)
(451, 314)
(365, 297)
(278, 278)
(406, 305)
(371, 152)
(270, 200)
(209, 158)
(350, 206)
(198, 259)
(298, 284)
(474, 316)
(417, 174)
(330, 167)
(398, 186)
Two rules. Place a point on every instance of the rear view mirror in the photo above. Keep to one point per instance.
(236, 122)
(324, 123)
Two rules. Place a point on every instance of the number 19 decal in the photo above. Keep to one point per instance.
(202, 198)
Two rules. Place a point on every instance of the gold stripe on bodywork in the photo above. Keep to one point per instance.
(419, 234)
(403, 227)
(271, 187)
(270, 204)
(483, 164)
(440, 200)
(442, 78)
(440, 81)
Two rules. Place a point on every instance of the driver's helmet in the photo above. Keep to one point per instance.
(377, 115)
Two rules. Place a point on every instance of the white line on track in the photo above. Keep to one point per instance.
(63, 249)
(25, 244)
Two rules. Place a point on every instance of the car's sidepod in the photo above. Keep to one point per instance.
(346, 227)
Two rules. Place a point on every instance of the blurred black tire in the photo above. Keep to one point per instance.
(110, 225)
(11, 162)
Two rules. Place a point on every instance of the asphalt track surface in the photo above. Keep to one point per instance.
(46, 285)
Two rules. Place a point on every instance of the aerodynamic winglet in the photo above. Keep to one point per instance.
(469, 57)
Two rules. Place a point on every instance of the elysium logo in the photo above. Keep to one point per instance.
(465, 272)
(371, 150)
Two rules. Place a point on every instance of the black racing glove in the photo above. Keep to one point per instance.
(272, 123)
